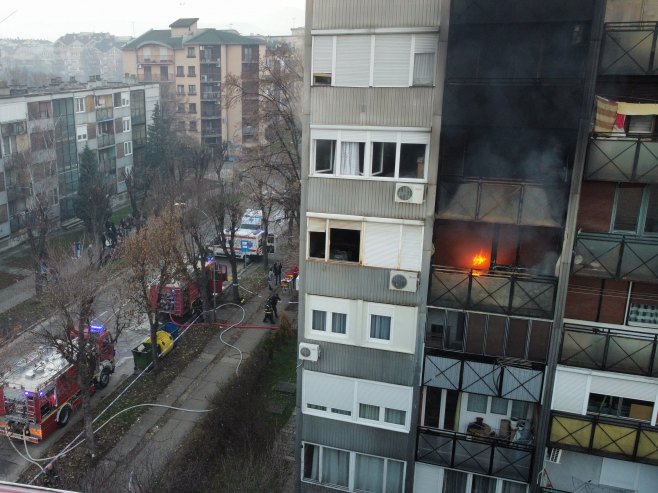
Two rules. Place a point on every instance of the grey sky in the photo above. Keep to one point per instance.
(49, 19)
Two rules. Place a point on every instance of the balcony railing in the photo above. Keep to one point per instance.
(211, 114)
(209, 96)
(479, 455)
(104, 114)
(614, 256)
(623, 351)
(155, 77)
(155, 59)
(214, 60)
(507, 203)
(137, 117)
(105, 140)
(622, 159)
(139, 142)
(629, 48)
(606, 436)
(509, 293)
(496, 336)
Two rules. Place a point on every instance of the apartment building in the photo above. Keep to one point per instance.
(44, 130)
(191, 66)
(478, 274)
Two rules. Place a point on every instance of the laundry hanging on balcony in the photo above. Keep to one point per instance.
(611, 115)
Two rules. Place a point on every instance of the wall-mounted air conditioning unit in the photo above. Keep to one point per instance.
(409, 193)
(400, 280)
(308, 352)
(554, 455)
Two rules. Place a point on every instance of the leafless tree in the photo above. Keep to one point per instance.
(260, 190)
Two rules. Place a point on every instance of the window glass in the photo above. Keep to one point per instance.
(316, 244)
(618, 406)
(454, 481)
(351, 158)
(477, 403)
(180, 71)
(311, 462)
(380, 327)
(319, 320)
(325, 156)
(394, 476)
(395, 416)
(498, 405)
(335, 467)
(483, 484)
(383, 159)
(651, 222)
(641, 124)
(520, 409)
(412, 161)
(367, 411)
(339, 323)
(369, 473)
(423, 69)
(344, 244)
(629, 199)
(315, 406)
(509, 487)
(341, 411)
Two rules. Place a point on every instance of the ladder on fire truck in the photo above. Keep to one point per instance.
(31, 408)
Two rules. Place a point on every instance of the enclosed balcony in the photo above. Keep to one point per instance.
(618, 350)
(609, 437)
(105, 140)
(156, 58)
(629, 48)
(616, 256)
(622, 159)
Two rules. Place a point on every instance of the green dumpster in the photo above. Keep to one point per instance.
(142, 355)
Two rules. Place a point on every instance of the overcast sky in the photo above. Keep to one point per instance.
(50, 19)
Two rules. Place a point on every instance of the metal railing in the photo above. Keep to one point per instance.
(605, 436)
(105, 140)
(475, 454)
(616, 256)
(495, 292)
(155, 77)
(623, 351)
(622, 159)
(629, 48)
(159, 59)
(104, 114)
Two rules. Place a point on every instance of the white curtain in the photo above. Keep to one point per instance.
(423, 69)
(335, 467)
(380, 327)
(394, 476)
(338, 323)
(369, 474)
(349, 158)
(319, 320)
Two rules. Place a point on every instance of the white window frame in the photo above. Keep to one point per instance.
(369, 135)
(127, 148)
(80, 106)
(373, 44)
(125, 99)
(81, 132)
(382, 311)
(500, 482)
(351, 469)
(126, 124)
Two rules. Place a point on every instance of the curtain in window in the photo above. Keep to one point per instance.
(380, 327)
(483, 484)
(311, 462)
(369, 474)
(335, 467)
(395, 476)
(395, 416)
(368, 411)
(454, 481)
(319, 320)
(349, 158)
(423, 69)
(339, 323)
(509, 487)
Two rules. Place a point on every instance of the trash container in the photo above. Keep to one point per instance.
(142, 355)
(172, 329)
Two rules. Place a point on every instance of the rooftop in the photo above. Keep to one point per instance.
(187, 22)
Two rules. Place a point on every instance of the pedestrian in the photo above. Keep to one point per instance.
(274, 299)
(277, 272)
(269, 314)
(270, 278)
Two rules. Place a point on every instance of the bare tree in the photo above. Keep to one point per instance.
(261, 191)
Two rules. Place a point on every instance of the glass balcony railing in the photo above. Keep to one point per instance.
(606, 436)
(614, 256)
(622, 159)
(628, 48)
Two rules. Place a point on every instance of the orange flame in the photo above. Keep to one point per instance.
(479, 260)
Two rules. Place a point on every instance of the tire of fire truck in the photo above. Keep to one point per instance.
(103, 379)
(64, 415)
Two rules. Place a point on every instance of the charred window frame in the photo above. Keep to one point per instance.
(331, 240)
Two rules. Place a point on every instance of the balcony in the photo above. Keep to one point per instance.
(155, 78)
(209, 96)
(211, 77)
(480, 455)
(629, 48)
(623, 351)
(105, 140)
(104, 114)
(155, 59)
(205, 114)
(210, 132)
(494, 336)
(505, 203)
(210, 59)
(139, 142)
(622, 159)
(614, 256)
(508, 293)
(605, 436)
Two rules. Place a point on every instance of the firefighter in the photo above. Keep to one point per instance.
(269, 313)
(274, 299)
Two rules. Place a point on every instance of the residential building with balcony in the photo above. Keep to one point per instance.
(478, 275)
(44, 130)
(191, 66)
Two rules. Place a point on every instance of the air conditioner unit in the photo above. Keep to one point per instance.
(409, 193)
(554, 455)
(308, 352)
(400, 280)
(204, 78)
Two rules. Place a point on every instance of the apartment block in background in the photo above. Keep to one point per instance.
(191, 66)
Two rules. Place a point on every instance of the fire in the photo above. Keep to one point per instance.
(479, 260)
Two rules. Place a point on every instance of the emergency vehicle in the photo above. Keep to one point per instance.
(40, 393)
(249, 239)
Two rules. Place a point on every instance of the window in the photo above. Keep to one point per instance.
(190, 52)
(127, 148)
(380, 327)
(463, 482)
(620, 407)
(641, 124)
(81, 132)
(99, 101)
(126, 124)
(499, 406)
(248, 54)
(344, 244)
(125, 99)
(351, 470)
(117, 99)
(180, 71)
(180, 108)
(380, 60)
(191, 89)
(636, 209)
(341, 411)
(319, 320)
(395, 416)
(338, 323)
(193, 126)
(367, 411)
(370, 154)
(477, 403)
(315, 406)
(79, 105)
(191, 71)
(192, 108)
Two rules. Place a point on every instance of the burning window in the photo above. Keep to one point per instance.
(344, 244)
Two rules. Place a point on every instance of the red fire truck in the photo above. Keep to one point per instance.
(40, 392)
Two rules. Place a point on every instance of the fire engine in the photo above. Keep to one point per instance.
(249, 239)
(40, 393)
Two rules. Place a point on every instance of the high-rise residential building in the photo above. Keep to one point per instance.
(44, 130)
(478, 286)
(192, 65)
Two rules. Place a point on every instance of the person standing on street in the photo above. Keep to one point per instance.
(274, 299)
(268, 313)
(277, 272)
(270, 278)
